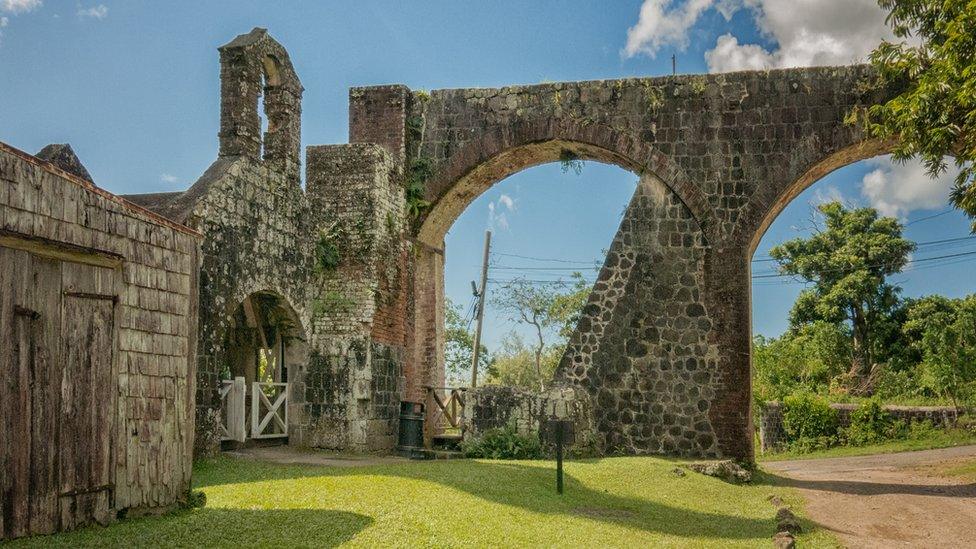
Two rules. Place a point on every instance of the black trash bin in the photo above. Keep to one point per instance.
(411, 440)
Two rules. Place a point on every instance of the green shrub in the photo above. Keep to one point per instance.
(871, 424)
(921, 430)
(809, 419)
(503, 443)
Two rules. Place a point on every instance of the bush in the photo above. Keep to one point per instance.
(503, 443)
(808, 419)
(870, 424)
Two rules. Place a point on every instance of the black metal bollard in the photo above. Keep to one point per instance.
(559, 458)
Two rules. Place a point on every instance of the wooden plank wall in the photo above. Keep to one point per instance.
(100, 302)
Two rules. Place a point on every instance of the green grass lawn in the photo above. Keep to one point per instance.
(613, 502)
(934, 439)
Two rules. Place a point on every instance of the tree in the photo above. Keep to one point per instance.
(944, 332)
(847, 261)
(934, 116)
(514, 364)
(551, 309)
(459, 346)
(806, 359)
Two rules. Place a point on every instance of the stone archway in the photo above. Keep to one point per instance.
(265, 352)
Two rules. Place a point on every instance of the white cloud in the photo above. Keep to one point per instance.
(507, 201)
(95, 12)
(3, 22)
(804, 32)
(167, 178)
(499, 210)
(898, 189)
(662, 23)
(19, 6)
(729, 55)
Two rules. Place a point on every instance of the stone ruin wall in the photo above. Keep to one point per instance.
(772, 435)
(261, 233)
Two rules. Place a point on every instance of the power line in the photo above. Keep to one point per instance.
(555, 260)
(766, 259)
(933, 216)
(909, 262)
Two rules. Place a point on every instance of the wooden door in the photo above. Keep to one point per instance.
(88, 390)
(57, 394)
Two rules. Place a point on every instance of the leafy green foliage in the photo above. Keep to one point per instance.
(418, 174)
(503, 443)
(514, 365)
(551, 310)
(569, 160)
(459, 347)
(327, 253)
(804, 359)
(934, 116)
(848, 261)
(809, 419)
(870, 424)
(944, 332)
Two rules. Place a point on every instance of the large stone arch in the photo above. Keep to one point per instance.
(503, 150)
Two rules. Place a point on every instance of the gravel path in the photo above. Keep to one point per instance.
(889, 500)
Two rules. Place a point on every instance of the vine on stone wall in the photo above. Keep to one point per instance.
(328, 248)
(420, 168)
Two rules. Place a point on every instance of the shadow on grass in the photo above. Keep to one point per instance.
(862, 488)
(217, 527)
(531, 488)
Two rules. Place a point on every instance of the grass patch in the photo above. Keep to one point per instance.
(966, 470)
(937, 438)
(613, 502)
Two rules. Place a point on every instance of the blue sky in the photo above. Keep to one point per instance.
(133, 86)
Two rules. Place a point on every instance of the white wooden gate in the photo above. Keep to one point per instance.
(232, 414)
(269, 410)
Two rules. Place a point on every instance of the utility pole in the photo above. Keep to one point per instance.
(674, 64)
(481, 311)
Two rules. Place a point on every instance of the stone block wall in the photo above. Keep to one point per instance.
(773, 436)
(495, 406)
(154, 262)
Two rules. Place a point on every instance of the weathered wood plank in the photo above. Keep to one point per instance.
(45, 392)
(89, 390)
(13, 433)
(15, 399)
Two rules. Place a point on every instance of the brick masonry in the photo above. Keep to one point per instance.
(50, 212)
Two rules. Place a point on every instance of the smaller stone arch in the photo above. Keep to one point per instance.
(264, 339)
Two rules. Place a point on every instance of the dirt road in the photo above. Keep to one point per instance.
(892, 500)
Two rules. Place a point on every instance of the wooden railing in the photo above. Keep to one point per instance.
(447, 412)
(269, 418)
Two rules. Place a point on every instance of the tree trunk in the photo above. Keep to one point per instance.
(861, 368)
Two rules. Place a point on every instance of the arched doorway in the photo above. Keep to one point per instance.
(264, 345)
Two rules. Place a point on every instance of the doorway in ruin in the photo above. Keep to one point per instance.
(265, 347)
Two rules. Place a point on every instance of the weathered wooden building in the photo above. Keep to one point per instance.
(98, 315)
